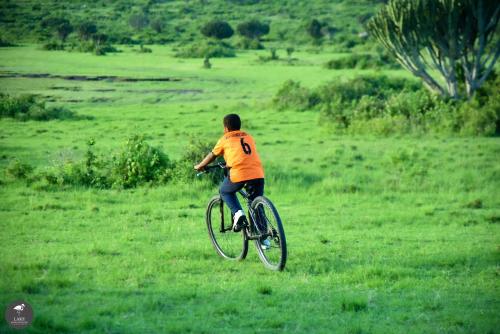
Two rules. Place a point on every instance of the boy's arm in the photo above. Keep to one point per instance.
(208, 159)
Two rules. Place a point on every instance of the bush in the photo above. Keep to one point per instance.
(353, 90)
(143, 49)
(135, 164)
(361, 61)
(206, 49)
(5, 43)
(28, 107)
(273, 55)
(138, 163)
(18, 170)
(53, 46)
(384, 106)
(194, 152)
(102, 49)
(293, 96)
(480, 121)
(249, 44)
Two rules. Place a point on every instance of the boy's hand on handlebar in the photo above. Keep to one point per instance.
(199, 167)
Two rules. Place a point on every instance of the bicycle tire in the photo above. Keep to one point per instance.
(278, 241)
(225, 243)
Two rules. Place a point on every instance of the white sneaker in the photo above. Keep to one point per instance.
(265, 244)
(239, 220)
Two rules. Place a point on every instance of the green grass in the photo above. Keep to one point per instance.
(385, 235)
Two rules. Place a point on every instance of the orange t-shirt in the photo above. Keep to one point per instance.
(241, 155)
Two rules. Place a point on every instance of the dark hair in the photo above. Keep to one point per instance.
(232, 122)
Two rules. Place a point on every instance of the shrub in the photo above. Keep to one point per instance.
(479, 121)
(18, 170)
(361, 61)
(143, 49)
(53, 46)
(384, 106)
(28, 107)
(273, 55)
(96, 48)
(194, 152)
(249, 44)
(205, 49)
(293, 96)
(352, 90)
(5, 43)
(137, 163)
(206, 63)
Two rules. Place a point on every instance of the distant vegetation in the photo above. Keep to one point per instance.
(160, 22)
(384, 106)
(362, 61)
(135, 163)
(252, 32)
(29, 107)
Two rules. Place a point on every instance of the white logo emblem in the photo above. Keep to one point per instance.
(19, 308)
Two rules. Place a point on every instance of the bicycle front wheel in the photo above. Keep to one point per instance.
(228, 244)
(268, 226)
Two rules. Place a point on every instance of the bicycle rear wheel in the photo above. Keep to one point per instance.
(268, 225)
(228, 244)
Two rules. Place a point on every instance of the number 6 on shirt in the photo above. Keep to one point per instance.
(246, 147)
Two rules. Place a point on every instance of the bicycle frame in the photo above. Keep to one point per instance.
(246, 196)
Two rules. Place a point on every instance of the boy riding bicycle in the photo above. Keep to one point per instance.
(244, 168)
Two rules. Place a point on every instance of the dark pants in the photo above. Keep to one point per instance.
(229, 189)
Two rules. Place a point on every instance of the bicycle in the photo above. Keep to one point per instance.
(264, 222)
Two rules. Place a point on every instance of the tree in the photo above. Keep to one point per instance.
(100, 39)
(443, 42)
(217, 29)
(60, 26)
(253, 29)
(138, 21)
(86, 30)
(158, 24)
(314, 29)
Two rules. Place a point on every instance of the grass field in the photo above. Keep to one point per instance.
(385, 235)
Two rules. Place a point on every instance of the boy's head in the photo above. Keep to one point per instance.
(232, 122)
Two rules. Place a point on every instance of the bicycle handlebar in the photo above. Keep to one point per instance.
(207, 169)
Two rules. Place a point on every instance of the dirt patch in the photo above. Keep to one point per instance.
(84, 77)
(69, 88)
(101, 99)
(104, 90)
(175, 91)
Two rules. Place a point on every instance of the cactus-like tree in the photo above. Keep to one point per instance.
(444, 42)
